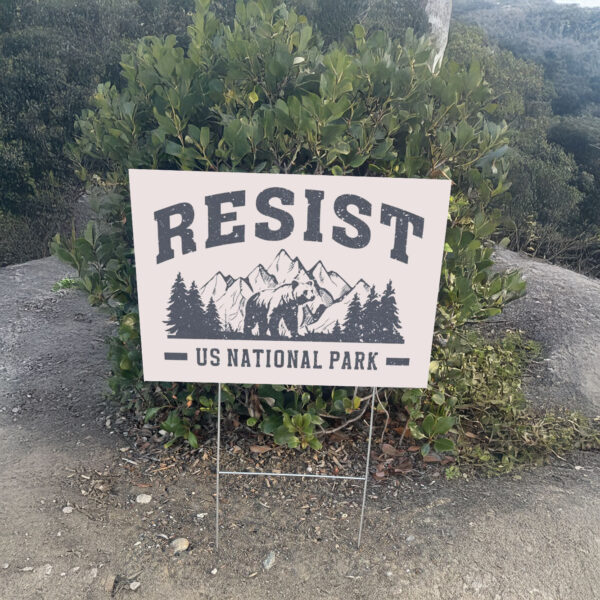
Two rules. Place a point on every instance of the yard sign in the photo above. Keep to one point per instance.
(287, 279)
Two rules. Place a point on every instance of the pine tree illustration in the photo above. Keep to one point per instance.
(388, 315)
(337, 333)
(195, 313)
(176, 309)
(352, 324)
(213, 323)
(370, 325)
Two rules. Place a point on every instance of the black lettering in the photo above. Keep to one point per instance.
(305, 364)
(257, 353)
(316, 364)
(346, 363)
(263, 231)
(292, 359)
(215, 357)
(313, 216)
(359, 361)
(363, 233)
(245, 358)
(166, 233)
(403, 218)
(334, 356)
(232, 357)
(278, 358)
(371, 366)
(216, 218)
(201, 356)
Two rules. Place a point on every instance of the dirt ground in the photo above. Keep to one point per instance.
(535, 535)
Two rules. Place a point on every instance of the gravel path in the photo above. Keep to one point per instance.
(535, 536)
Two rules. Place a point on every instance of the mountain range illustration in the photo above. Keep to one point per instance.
(283, 301)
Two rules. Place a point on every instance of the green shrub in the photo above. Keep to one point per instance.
(497, 430)
(264, 97)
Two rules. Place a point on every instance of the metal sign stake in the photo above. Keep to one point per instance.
(364, 500)
(365, 479)
(218, 463)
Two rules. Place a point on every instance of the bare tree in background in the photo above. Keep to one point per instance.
(421, 15)
(438, 12)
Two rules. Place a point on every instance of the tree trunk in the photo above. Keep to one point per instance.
(438, 13)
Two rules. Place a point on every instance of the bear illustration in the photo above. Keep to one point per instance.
(267, 308)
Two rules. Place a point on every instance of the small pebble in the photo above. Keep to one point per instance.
(27, 569)
(109, 583)
(68, 510)
(269, 560)
(143, 498)
(47, 569)
(5, 566)
(180, 545)
(201, 515)
(410, 538)
(134, 585)
(214, 571)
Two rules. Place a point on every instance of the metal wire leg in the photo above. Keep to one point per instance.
(218, 465)
(364, 500)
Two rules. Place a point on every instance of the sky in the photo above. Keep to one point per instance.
(586, 3)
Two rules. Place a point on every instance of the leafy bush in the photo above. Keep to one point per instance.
(497, 430)
(375, 109)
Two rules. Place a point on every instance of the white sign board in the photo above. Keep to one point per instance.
(287, 279)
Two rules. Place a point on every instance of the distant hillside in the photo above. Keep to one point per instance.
(565, 39)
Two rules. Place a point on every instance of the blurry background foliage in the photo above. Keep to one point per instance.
(52, 56)
(543, 62)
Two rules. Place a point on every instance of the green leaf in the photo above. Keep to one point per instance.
(428, 424)
(192, 439)
(152, 412)
(443, 445)
(443, 424)
(284, 437)
(359, 32)
(204, 137)
(438, 398)
(173, 148)
(315, 444)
